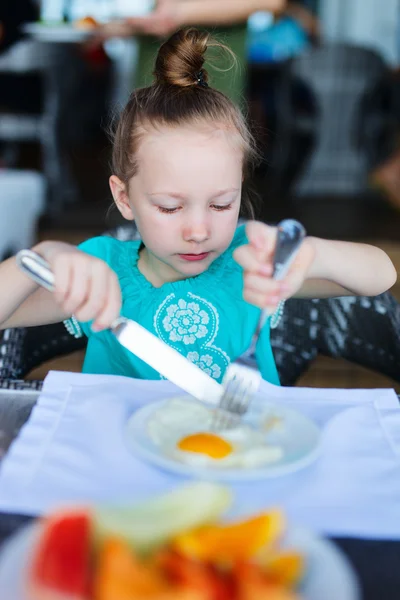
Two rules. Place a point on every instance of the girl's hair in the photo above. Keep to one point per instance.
(180, 95)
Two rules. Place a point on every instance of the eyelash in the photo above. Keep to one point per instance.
(171, 211)
(168, 211)
(223, 207)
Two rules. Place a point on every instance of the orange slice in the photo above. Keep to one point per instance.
(233, 542)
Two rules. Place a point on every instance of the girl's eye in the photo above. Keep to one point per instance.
(168, 211)
(221, 207)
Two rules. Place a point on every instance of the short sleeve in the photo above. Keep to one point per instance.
(100, 247)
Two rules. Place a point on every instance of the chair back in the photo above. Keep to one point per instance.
(337, 79)
(363, 330)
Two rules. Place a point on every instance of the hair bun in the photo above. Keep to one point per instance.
(181, 58)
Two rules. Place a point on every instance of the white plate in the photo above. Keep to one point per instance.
(62, 32)
(299, 438)
(328, 573)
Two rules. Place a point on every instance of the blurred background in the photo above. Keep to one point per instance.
(322, 90)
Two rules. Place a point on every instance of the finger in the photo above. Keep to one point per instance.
(62, 278)
(112, 308)
(263, 301)
(298, 271)
(79, 286)
(262, 238)
(300, 267)
(97, 292)
(262, 285)
(248, 258)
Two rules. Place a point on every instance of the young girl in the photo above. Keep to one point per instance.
(181, 154)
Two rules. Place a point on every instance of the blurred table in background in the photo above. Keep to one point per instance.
(81, 91)
(16, 127)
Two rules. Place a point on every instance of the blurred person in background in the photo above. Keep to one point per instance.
(386, 174)
(19, 92)
(13, 14)
(226, 18)
(306, 18)
(271, 42)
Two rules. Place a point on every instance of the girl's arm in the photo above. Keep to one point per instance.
(321, 269)
(22, 302)
(346, 268)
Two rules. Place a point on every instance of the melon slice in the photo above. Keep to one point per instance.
(150, 524)
(60, 568)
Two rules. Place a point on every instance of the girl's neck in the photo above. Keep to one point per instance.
(155, 271)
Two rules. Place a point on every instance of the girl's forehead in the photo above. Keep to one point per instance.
(189, 159)
(181, 139)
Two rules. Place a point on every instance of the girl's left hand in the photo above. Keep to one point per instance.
(256, 258)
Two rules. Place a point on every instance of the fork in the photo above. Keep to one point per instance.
(242, 378)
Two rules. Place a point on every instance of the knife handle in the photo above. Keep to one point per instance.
(33, 265)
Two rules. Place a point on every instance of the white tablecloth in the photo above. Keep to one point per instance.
(72, 450)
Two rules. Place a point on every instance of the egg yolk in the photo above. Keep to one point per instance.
(206, 443)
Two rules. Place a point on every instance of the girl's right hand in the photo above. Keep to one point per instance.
(85, 286)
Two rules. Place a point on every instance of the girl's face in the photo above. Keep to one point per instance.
(185, 199)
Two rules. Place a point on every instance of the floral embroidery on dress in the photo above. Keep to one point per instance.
(191, 323)
(205, 362)
(185, 321)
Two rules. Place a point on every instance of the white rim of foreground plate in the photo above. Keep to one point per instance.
(144, 448)
(328, 576)
(57, 32)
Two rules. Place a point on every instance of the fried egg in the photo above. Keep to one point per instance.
(206, 443)
(182, 430)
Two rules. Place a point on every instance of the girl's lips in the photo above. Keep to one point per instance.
(194, 257)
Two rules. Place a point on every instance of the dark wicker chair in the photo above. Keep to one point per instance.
(362, 330)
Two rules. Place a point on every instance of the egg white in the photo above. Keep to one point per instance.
(179, 418)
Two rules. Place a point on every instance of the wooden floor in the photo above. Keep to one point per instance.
(325, 372)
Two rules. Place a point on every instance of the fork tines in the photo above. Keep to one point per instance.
(240, 383)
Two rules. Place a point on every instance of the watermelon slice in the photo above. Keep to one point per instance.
(60, 567)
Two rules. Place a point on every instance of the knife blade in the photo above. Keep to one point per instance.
(167, 361)
(138, 340)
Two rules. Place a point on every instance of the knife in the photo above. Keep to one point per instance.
(138, 340)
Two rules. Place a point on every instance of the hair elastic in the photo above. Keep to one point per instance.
(200, 80)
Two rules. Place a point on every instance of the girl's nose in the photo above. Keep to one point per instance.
(196, 232)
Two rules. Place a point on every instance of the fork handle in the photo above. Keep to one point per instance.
(290, 236)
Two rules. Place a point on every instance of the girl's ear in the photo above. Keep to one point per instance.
(121, 198)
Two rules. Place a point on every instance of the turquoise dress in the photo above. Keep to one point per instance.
(205, 317)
